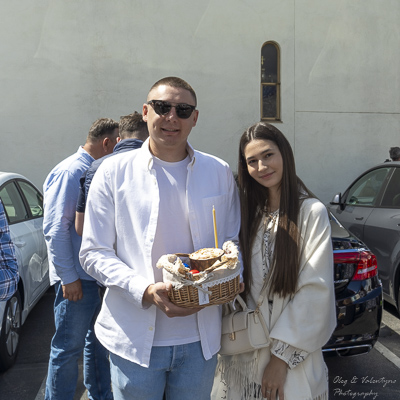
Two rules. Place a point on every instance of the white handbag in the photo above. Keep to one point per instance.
(243, 330)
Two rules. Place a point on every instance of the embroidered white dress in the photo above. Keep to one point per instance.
(299, 326)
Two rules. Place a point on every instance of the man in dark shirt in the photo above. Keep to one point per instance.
(133, 132)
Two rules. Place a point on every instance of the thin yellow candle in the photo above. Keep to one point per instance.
(215, 228)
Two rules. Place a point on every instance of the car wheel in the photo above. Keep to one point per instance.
(10, 331)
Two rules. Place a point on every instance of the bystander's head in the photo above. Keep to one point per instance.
(394, 153)
(102, 137)
(132, 126)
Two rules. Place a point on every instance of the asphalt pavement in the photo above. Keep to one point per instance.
(26, 379)
(371, 376)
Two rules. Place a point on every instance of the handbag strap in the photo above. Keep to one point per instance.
(261, 299)
(242, 303)
(261, 318)
(240, 300)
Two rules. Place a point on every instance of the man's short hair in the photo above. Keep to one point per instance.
(394, 153)
(102, 127)
(133, 126)
(175, 82)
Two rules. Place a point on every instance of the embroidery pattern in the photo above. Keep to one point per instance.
(289, 353)
(270, 221)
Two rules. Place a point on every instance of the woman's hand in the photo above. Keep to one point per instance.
(274, 378)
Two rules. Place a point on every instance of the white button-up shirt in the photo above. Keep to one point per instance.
(119, 229)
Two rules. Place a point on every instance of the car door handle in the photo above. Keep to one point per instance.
(20, 244)
(359, 218)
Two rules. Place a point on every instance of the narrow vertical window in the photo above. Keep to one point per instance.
(270, 82)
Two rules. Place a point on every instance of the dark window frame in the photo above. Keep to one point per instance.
(28, 215)
(362, 185)
(273, 86)
(16, 210)
(35, 209)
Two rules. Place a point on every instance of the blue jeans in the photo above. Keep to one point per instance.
(74, 322)
(179, 371)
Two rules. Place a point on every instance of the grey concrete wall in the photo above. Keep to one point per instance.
(65, 63)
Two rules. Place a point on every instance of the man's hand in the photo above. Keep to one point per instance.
(157, 294)
(73, 291)
(274, 378)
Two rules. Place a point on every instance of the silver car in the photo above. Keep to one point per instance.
(370, 210)
(23, 204)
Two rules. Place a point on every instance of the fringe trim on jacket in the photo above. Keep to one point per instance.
(238, 383)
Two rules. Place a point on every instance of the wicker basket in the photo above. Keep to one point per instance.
(188, 296)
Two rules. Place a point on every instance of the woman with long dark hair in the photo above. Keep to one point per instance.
(287, 257)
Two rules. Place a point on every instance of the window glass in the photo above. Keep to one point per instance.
(269, 101)
(13, 204)
(269, 63)
(365, 191)
(33, 197)
(270, 82)
(391, 198)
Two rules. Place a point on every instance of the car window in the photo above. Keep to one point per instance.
(13, 204)
(391, 198)
(33, 197)
(365, 191)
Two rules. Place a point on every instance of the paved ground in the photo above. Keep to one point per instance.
(26, 379)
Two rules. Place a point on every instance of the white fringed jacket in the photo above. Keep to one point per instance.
(304, 321)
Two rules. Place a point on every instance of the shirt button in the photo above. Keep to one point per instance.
(150, 328)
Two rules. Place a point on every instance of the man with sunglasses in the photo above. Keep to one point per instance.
(157, 200)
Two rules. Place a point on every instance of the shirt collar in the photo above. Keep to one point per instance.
(131, 143)
(82, 151)
(145, 149)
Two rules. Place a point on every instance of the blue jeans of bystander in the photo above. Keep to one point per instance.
(179, 371)
(74, 333)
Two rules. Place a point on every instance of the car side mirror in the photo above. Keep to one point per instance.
(337, 201)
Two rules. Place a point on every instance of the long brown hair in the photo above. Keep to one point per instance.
(254, 202)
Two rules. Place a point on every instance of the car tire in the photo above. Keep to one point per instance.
(10, 332)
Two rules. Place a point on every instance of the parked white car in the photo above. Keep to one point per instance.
(23, 204)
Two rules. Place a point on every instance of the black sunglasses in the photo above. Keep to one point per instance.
(162, 107)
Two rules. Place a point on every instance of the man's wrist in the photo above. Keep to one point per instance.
(147, 299)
